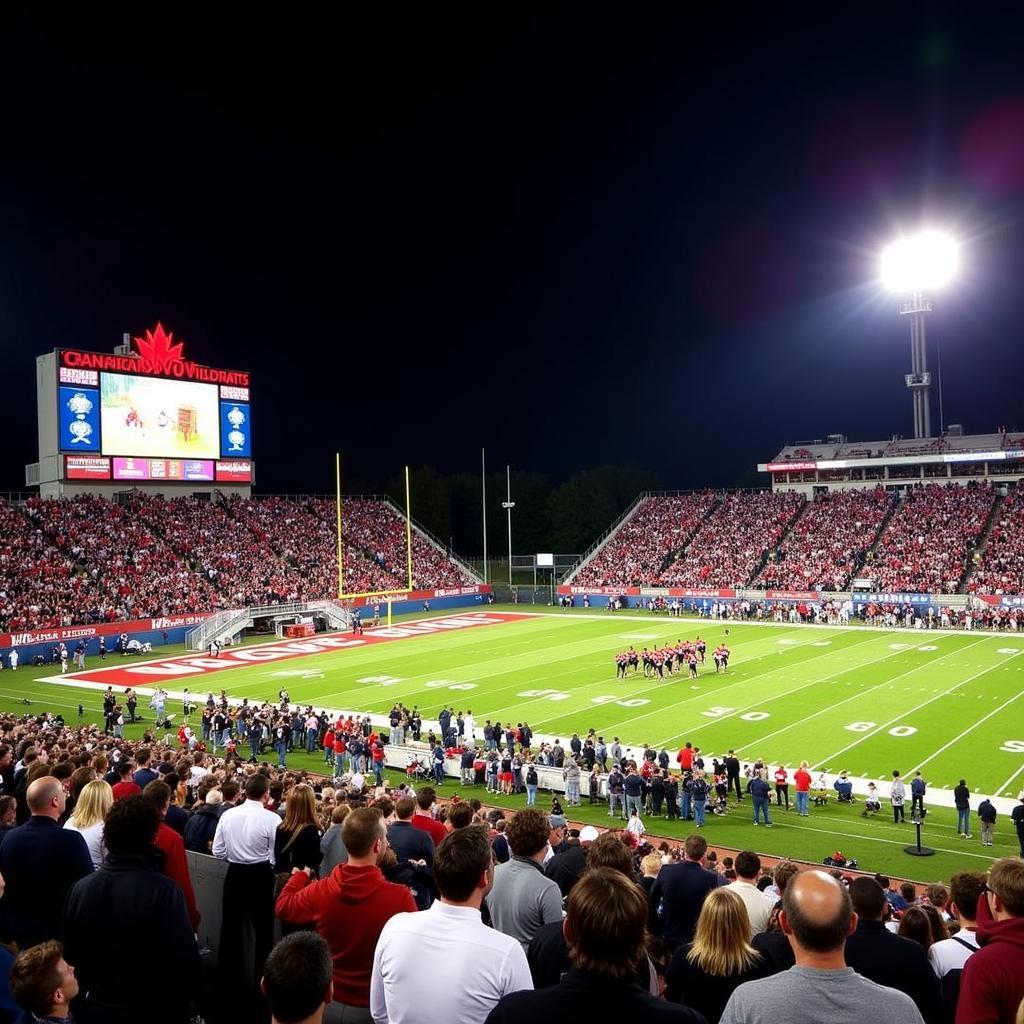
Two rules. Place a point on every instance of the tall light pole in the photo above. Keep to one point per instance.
(913, 266)
(508, 505)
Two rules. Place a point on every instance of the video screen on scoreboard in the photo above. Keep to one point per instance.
(155, 417)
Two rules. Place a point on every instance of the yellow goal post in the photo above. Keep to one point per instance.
(383, 594)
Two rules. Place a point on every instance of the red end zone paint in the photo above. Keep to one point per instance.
(158, 672)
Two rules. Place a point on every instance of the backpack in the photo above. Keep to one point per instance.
(531, 777)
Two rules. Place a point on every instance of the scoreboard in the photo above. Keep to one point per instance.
(148, 415)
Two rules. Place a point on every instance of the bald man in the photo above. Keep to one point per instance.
(816, 917)
(40, 861)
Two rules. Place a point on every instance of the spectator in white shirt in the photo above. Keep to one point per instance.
(448, 941)
(759, 909)
(948, 956)
(245, 839)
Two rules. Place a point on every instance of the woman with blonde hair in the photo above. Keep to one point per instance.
(297, 843)
(704, 973)
(89, 815)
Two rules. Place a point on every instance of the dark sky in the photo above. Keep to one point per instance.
(578, 236)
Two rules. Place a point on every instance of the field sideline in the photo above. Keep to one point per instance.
(859, 699)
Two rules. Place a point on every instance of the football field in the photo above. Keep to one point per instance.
(861, 700)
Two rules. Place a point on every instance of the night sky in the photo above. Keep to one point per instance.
(577, 236)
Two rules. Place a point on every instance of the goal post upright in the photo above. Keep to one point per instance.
(386, 595)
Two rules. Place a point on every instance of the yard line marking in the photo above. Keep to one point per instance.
(659, 684)
(856, 696)
(1003, 787)
(909, 711)
(955, 739)
(743, 681)
(891, 842)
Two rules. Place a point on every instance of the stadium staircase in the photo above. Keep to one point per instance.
(678, 555)
(974, 556)
(763, 560)
(869, 555)
(222, 625)
(599, 544)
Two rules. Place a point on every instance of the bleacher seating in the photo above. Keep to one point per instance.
(91, 560)
(925, 545)
(829, 541)
(727, 548)
(637, 551)
(1001, 567)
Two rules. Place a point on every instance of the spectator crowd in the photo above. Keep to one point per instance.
(90, 560)
(380, 894)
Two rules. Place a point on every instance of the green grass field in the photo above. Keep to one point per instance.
(862, 700)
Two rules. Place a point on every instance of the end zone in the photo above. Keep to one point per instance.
(155, 673)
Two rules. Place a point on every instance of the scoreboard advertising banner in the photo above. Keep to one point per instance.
(152, 415)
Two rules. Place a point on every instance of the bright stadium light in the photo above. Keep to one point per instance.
(913, 266)
(917, 263)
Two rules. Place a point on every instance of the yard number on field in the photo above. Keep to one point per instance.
(896, 730)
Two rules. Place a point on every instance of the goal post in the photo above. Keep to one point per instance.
(383, 594)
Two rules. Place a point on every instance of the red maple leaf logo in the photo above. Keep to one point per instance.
(158, 349)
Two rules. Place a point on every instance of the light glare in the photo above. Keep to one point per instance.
(921, 262)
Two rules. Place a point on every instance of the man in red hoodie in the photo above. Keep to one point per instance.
(992, 985)
(349, 909)
(175, 865)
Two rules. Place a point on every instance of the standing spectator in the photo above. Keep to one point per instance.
(1017, 817)
(566, 867)
(87, 819)
(704, 973)
(423, 817)
(987, 817)
(245, 839)
(917, 791)
(605, 930)
(633, 788)
(817, 918)
(781, 787)
(759, 907)
(802, 788)
(523, 898)
(43, 983)
(679, 892)
(962, 799)
(297, 979)
(887, 959)
(297, 842)
(126, 785)
(332, 844)
(202, 824)
(414, 852)
(897, 794)
(948, 956)
(349, 909)
(175, 865)
(132, 899)
(992, 984)
(40, 862)
(761, 794)
(449, 941)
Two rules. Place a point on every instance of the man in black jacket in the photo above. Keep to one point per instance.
(414, 849)
(888, 959)
(40, 861)
(679, 892)
(129, 897)
(566, 866)
(605, 928)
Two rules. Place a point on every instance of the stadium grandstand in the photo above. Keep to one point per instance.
(940, 516)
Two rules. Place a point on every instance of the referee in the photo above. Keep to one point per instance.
(245, 839)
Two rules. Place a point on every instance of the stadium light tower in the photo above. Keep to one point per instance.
(913, 266)
(508, 506)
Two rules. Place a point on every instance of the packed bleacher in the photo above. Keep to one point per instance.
(926, 545)
(1000, 569)
(639, 550)
(89, 560)
(733, 540)
(828, 542)
(379, 890)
